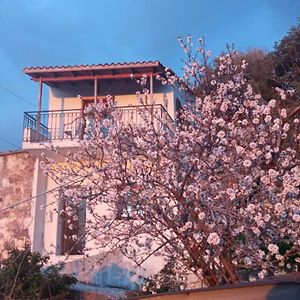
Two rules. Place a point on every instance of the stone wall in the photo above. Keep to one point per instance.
(16, 176)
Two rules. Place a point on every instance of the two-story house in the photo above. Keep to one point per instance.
(71, 89)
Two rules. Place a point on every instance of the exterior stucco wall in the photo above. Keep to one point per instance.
(116, 270)
(67, 97)
(46, 234)
(260, 290)
(16, 175)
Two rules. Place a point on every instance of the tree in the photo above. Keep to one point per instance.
(22, 276)
(286, 57)
(219, 193)
(259, 71)
(278, 68)
(166, 280)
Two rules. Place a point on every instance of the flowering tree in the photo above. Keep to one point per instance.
(219, 193)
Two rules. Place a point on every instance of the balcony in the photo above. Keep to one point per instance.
(56, 125)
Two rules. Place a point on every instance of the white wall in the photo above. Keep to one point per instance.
(47, 229)
(66, 96)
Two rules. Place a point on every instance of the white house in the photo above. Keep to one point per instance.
(71, 88)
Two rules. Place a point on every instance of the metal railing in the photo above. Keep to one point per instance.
(70, 124)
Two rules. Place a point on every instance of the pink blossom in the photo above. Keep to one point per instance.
(213, 239)
(286, 127)
(256, 230)
(247, 163)
(272, 103)
(221, 134)
(296, 217)
(201, 216)
(262, 274)
(255, 121)
(283, 113)
(273, 248)
(268, 118)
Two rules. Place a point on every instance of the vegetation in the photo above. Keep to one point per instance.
(286, 57)
(24, 275)
(219, 194)
(279, 68)
(168, 279)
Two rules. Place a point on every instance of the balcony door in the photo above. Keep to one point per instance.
(90, 119)
(85, 101)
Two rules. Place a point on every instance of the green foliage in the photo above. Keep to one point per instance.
(167, 280)
(259, 71)
(286, 59)
(279, 68)
(22, 276)
(290, 262)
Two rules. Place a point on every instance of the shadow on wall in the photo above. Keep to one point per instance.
(288, 291)
(116, 277)
(114, 272)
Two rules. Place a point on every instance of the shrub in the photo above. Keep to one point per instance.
(166, 280)
(24, 275)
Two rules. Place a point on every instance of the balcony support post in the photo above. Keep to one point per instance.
(151, 86)
(95, 89)
(151, 96)
(38, 119)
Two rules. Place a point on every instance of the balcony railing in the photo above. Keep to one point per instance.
(70, 124)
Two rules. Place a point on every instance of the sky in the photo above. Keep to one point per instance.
(71, 32)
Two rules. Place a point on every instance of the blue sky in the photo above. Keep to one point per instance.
(64, 32)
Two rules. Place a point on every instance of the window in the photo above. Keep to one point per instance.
(178, 108)
(72, 226)
(129, 207)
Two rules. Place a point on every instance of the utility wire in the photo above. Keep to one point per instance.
(33, 197)
(21, 98)
(28, 199)
(16, 95)
(7, 142)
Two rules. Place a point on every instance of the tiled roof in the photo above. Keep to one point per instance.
(94, 66)
(52, 74)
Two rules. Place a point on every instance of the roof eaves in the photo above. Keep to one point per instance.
(31, 70)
